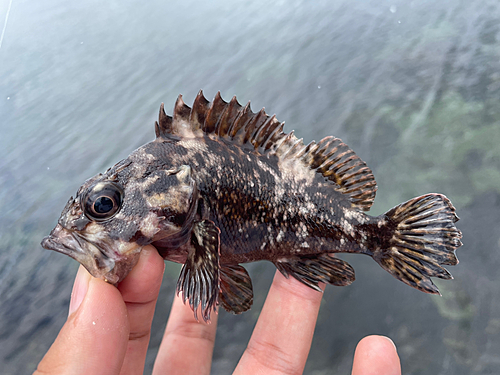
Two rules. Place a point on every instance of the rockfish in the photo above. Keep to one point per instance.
(221, 185)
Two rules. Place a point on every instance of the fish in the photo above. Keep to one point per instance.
(221, 185)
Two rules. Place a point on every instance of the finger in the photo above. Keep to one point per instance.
(140, 291)
(376, 355)
(187, 344)
(282, 338)
(94, 338)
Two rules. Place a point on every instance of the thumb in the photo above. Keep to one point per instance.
(94, 338)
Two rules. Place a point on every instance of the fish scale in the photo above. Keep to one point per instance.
(221, 186)
(253, 207)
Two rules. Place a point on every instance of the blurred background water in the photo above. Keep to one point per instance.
(412, 86)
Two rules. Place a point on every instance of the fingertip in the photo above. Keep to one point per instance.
(295, 287)
(289, 297)
(143, 283)
(379, 341)
(376, 355)
(150, 251)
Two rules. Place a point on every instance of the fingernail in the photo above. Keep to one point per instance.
(392, 342)
(80, 288)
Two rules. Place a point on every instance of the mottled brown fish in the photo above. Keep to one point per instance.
(221, 185)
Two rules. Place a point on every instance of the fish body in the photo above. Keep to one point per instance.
(221, 185)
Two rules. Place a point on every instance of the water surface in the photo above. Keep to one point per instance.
(413, 87)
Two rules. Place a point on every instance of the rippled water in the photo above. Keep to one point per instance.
(412, 86)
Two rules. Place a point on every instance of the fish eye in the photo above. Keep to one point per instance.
(102, 201)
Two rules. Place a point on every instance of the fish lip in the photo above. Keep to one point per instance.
(62, 241)
(49, 243)
(97, 263)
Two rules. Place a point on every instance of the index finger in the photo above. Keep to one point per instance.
(282, 338)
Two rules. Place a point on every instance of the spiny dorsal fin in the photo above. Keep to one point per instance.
(181, 113)
(164, 124)
(199, 111)
(264, 134)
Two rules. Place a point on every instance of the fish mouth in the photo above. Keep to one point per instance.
(97, 263)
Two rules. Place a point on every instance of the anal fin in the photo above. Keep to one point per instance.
(236, 294)
(314, 269)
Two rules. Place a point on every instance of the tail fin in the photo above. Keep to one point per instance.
(424, 237)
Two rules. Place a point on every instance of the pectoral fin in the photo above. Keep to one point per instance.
(199, 278)
(236, 289)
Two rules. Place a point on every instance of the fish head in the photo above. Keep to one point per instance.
(113, 215)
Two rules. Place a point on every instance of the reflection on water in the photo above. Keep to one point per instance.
(413, 87)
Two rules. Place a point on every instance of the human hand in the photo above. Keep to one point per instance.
(108, 330)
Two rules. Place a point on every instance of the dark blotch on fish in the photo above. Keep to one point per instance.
(221, 185)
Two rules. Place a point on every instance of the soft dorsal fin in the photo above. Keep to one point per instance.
(264, 134)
